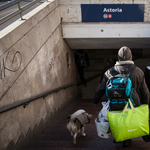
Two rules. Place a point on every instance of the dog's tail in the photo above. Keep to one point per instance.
(77, 113)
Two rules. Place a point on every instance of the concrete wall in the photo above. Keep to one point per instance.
(71, 10)
(32, 61)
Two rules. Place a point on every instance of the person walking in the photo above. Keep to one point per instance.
(110, 63)
(82, 60)
(147, 75)
(137, 79)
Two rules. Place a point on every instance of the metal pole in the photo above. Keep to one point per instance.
(21, 11)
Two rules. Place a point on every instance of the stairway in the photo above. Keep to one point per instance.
(55, 135)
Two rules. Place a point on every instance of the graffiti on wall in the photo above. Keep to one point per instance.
(51, 64)
(4, 67)
(56, 59)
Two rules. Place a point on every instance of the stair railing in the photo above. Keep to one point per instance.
(15, 13)
(28, 100)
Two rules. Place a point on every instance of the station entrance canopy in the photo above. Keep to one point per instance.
(106, 36)
(108, 26)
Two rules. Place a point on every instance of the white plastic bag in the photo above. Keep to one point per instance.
(101, 122)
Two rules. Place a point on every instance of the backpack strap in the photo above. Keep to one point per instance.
(131, 68)
(115, 71)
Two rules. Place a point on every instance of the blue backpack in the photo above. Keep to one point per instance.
(119, 88)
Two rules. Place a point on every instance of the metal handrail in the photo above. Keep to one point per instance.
(26, 101)
(15, 13)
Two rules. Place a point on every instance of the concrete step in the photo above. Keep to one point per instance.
(85, 143)
(80, 149)
(82, 142)
(66, 136)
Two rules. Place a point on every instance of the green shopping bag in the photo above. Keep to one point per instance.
(129, 123)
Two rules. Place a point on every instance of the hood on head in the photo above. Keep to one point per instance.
(124, 53)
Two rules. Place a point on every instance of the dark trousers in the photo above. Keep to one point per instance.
(81, 73)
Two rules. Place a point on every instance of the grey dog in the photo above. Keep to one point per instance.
(77, 121)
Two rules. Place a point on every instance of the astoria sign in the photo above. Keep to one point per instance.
(112, 12)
